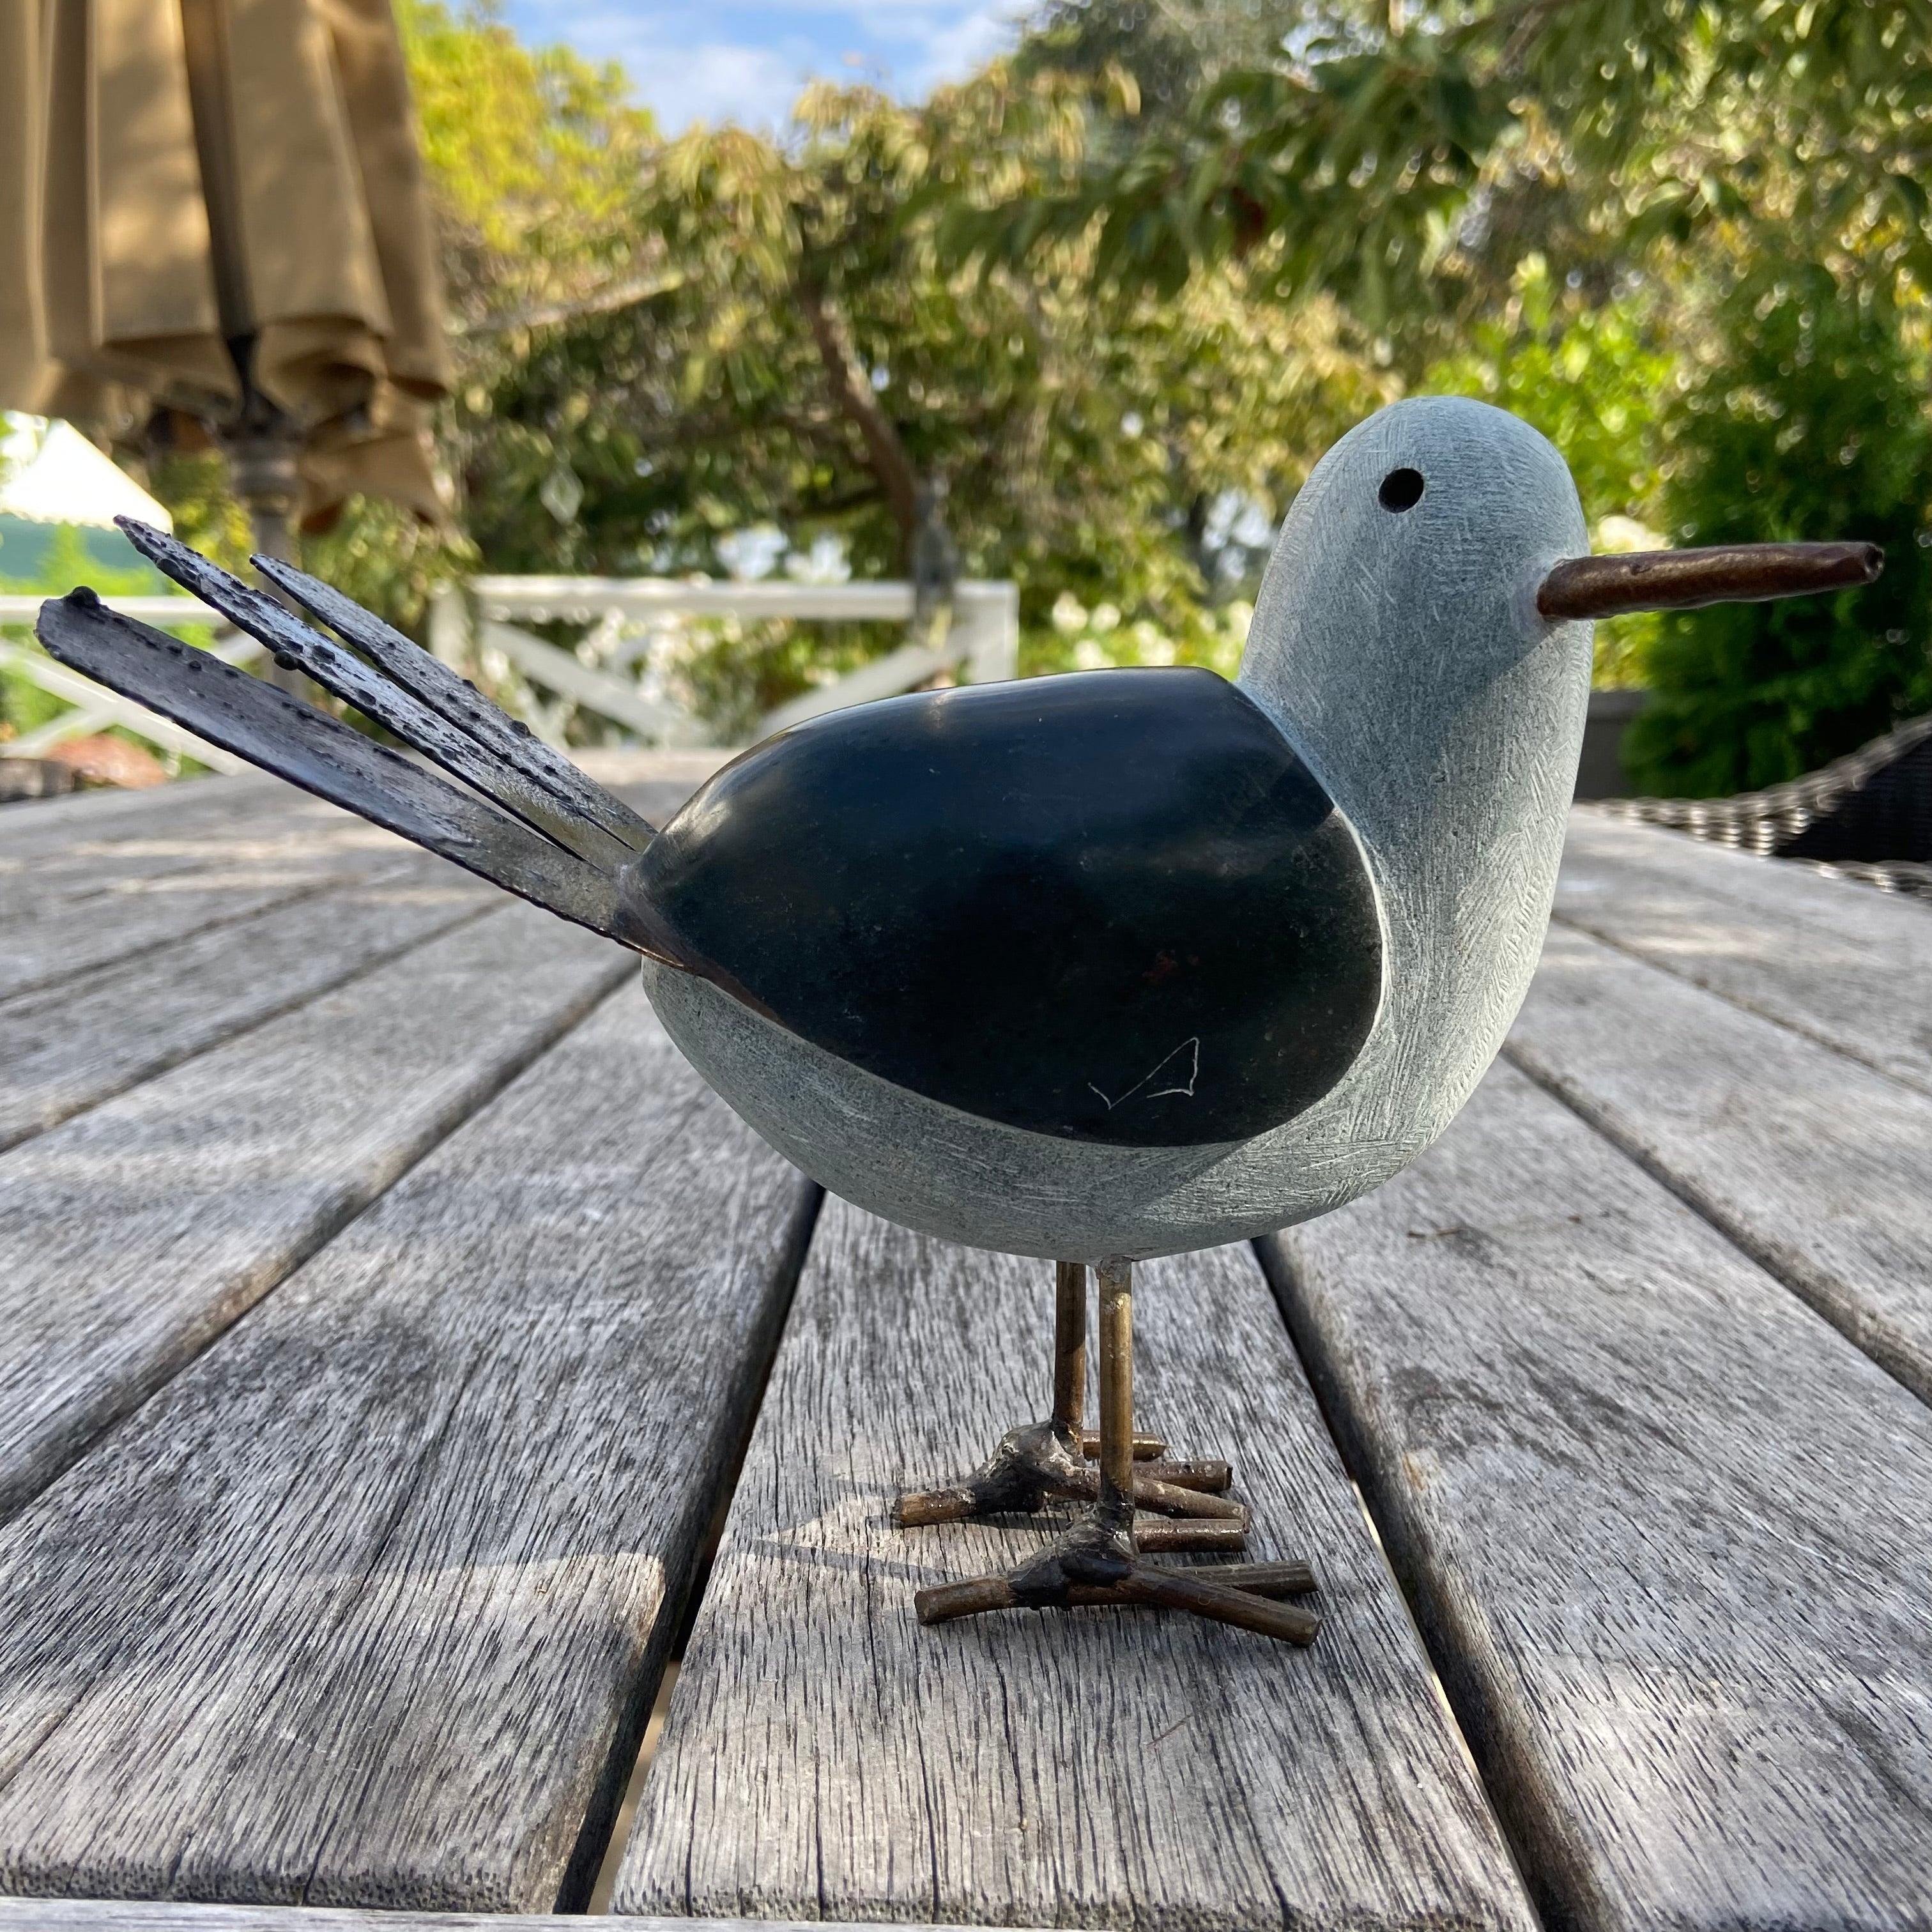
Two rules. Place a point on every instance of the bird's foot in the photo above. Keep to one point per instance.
(1039, 1461)
(1093, 1564)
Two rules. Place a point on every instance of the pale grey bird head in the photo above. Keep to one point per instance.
(1427, 611)
(1403, 591)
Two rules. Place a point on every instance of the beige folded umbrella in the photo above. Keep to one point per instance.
(212, 213)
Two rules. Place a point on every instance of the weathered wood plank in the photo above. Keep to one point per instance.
(92, 1915)
(132, 1235)
(824, 1756)
(120, 837)
(1818, 1167)
(118, 886)
(366, 1606)
(89, 843)
(1664, 1529)
(124, 905)
(46, 828)
(85, 841)
(1835, 961)
(68, 1047)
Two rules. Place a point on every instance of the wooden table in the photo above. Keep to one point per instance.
(403, 1358)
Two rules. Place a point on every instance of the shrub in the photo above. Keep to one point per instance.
(1810, 424)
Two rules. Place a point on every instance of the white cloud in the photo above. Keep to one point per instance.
(747, 60)
(969, 42)
(717, 81)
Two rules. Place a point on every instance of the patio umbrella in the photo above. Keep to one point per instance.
(213, 225)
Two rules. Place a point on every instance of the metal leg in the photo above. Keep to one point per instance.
(1115, 1508)
(1039, 1461)
(1069, 1349)
(1099, 1561)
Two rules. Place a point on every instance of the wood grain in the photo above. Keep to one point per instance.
(1835, 961)
(1664, 1529)
(102, 838)
(825, 1757)
(366, 1606)
(132, 1235)
(90, 1915)
(112, 885)
(148, 893)
(1818, 1167)
(70, 1046)
(49, 828)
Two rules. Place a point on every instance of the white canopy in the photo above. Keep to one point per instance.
(61, 478)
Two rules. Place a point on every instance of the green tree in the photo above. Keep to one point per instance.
(1812, 419)
(531, 155)
(1403, 164)
(1169, 49)
(1596, 380)
(817, 355)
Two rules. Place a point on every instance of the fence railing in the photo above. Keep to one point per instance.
(94, 707)
(637, 628)
(623, 676)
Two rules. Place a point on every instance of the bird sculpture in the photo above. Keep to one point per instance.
(1092, 968)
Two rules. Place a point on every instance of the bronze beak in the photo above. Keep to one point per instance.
(1686, 579)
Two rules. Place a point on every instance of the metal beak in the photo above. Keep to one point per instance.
(1686, 579)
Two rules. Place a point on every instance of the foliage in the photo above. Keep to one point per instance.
(1114, 295)
(1594, 379)
(1437, 175)
(1169, 49)
(67, 559)
(1813, 419)
(1084, 639)
(818, 359)
(1385, 159)
(531, 153)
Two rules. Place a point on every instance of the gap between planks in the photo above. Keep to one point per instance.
(68, 1048)
(1662, 1527)
(135, 899)
(420, 1524)
(96, 1915)
(181, 833)
(1831, 960)
(824, 1755)
(135, 1233)
(1813, 1157)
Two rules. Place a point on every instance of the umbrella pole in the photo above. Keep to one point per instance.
(261, 445)
(262, 473)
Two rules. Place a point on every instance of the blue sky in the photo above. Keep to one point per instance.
(744, 60)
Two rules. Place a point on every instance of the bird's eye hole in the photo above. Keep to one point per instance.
(1402, 490)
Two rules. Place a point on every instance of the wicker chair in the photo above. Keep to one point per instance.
(1868, 816)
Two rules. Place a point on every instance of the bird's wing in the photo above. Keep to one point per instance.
(1113, 907)
(557, 840)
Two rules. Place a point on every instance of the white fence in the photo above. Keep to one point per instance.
(619, 674)
(638, 627)
(95, 707)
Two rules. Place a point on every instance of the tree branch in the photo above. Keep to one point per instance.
(605, 301)
(853, 393)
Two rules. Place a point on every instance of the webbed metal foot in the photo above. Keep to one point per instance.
(1092, 1565)
(1100, 1559)
(1040, 1461)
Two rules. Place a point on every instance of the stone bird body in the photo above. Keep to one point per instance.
(1398, 657)
(1091, 968)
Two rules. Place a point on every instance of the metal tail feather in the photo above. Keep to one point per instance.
(435, 685)
(503, 830)
(469, 738)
